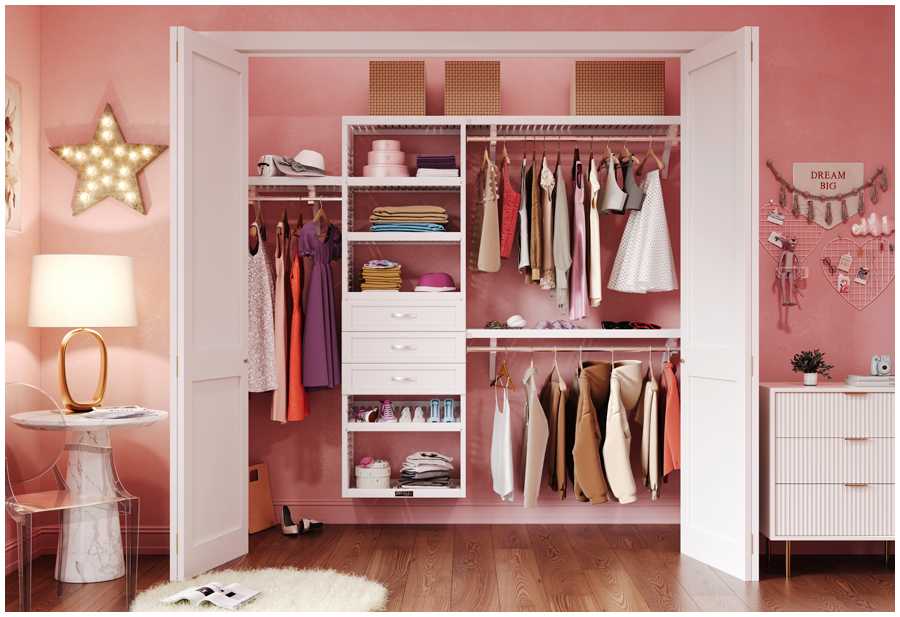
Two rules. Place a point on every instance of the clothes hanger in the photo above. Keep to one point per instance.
(505, 154)
(555, 366)
(580, 352)
(299, 221)
(558, 152)
(525, 154)
(504, 372)
(320, 216)
(532, 357)
(285, 224)
(608, 155)
(626, 153)
(258, 221)
(650, 153)
(543, 149)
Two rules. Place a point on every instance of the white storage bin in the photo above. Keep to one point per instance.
(373, 478)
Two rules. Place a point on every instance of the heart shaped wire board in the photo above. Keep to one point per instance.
(808, 234)
(876, 257)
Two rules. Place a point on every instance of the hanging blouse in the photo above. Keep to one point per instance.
(671, 409)
(613, 196)
(578, 291)
(524, 219)
(485, 251)
(596, 289)
(279, 398)
(511, 201)
(634, 199)
(536, 226)
(553, 401)
(562, 251)
(261, 341)
(548, 270)
(501, 449)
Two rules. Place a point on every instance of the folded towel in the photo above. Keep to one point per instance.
(407, 227)
(381, 263)
(425, 475)
(437, 219)
(422, 209)
(430, 483)
(437, 173)
(428, 456)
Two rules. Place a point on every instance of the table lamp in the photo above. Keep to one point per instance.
(77, 291)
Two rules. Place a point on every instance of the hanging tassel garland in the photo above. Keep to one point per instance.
(783, 200)
(874, 193)
(828, 213)
(883, 180)
(810, 213)
(862, 203)
(796, 204)
(844, 214)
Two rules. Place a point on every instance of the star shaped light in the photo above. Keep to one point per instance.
(108, 166)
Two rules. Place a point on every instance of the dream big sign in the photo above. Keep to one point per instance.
(828, 179)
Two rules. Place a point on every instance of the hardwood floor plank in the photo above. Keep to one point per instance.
(390, 566)
(697, 578)
(313, 550)
(565, 604)
(519, 580)
(807, 588)
(354, 549)
(623, 536)
(428, 585)
(614, 590)
(560, 571)
(510, 536)
(474, 581)
(591, 548)
(397, 536)
(757, 598)
(721, 604)
(663, 539)
(656, 584)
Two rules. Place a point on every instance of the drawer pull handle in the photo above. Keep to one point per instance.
(856, 485)
(404, 378)
(856, 393)
(856, 439)
(405, 347)
(403, 315)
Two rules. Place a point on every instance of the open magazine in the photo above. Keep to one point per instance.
(233, 596)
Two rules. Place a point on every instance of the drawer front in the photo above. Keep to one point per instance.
(835, 414)
(371, 347)
(386, 379)
(831, 460)
(834, 510)
(408, 317)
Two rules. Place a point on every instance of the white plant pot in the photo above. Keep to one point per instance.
(810, 379)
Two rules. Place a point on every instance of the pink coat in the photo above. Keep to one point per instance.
(671, 407)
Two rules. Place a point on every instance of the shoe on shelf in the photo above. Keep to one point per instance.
(419, 418)
(405, 415)
(448, 411)
(366, 414)
(290, 528)
(387, 411)
(435, 415)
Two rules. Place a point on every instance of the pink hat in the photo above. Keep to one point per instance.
(436, 281)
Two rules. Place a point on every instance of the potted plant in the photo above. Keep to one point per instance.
(811, 364)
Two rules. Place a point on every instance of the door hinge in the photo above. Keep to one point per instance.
(176, 52)
(176, 543)
(176, 366)
(751, 51)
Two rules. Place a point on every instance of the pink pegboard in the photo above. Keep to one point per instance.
(808, 234)
(876, 257)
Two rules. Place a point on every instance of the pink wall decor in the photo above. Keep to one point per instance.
(807, 235)
(875, 256)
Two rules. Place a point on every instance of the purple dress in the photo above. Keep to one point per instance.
(321, 360)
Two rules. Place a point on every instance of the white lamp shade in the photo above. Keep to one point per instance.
(82, 291)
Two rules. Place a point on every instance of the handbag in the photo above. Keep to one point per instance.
(266, 166)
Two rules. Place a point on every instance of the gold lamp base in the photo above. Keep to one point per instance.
(100, 393)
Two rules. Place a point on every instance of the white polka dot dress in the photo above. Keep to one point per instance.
(644, 261)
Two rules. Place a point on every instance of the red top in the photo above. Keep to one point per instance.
(510, 209)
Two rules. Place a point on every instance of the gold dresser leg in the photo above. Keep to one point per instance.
(787, 559)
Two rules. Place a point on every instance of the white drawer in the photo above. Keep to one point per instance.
(370, 347)
(384, 379)
(834, 510)
(410, 316)
(831, 460)
(834, 414)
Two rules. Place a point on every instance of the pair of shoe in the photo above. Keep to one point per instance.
(435, 415)
(406, 416)
(370, 414)
(290, 528)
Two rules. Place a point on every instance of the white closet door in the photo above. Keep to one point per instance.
(209, 482)
(718, 422)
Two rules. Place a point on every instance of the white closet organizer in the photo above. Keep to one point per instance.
(210, 118)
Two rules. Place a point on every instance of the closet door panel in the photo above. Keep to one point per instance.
(717, 314)
(209, 428)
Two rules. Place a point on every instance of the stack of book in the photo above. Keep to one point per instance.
(869, 381)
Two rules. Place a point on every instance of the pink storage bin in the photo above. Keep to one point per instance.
(386, 171)
(387, 157)
(386, 144)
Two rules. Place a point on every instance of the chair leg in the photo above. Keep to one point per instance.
(24, 549)
(132, 519)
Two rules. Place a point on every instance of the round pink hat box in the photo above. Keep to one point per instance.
(386, 144)
(387, 157)
(386, 171)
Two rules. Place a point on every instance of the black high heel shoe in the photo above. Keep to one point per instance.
(290, 528)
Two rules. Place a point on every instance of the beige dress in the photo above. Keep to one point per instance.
(534, 440)
(484, 255)
(548, 271)
(596, 286)
(279, 397)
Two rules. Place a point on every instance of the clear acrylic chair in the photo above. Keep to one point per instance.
(32, 454)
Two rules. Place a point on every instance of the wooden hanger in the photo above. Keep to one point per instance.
(321, 216)
(285, 224)
(525, 154)
(258, 221)
(504, 372)
(558, 153)
(650, 153)
(505, 154)
(486, 160)
(299, 221)
(555, 366)
(626, 153)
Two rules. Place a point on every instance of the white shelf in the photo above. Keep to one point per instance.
(410, 183)
(396, 427)
(406, 296)
(294, 181)
(455, 490)
(379, 237)
(530, 333)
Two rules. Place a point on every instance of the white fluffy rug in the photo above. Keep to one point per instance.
(283, 590)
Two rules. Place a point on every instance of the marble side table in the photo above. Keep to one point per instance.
(90, 538)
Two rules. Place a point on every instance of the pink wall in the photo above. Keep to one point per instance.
(22, 345)
(809, 78)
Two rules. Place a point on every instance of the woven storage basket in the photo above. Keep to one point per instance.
(472, 88)
(396, 88)
(618, 88)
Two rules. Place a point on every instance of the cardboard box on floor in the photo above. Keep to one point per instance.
(262, 512)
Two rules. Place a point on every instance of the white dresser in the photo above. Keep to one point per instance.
(827, 463)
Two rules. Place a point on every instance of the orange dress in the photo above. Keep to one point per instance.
(298, 400)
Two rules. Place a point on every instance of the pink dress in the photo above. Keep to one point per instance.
(578, 294)
(279, 397)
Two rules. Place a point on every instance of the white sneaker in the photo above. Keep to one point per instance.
(420, 416)
(405, 415)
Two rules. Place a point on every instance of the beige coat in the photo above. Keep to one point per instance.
(534, 440)
(624, 394)
(553, 400)
(647, 415)
(592, 388)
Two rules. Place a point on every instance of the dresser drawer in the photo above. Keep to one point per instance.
(834, 460)
(386, 379)
(834, 510)
(834, 414)
(361, 315)
(393, 348)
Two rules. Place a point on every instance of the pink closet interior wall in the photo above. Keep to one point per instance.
(819, 101)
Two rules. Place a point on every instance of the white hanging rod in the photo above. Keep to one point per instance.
(255, 199)
(571, 349)
(600, 139)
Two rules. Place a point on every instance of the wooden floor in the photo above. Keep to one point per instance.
(522, 567)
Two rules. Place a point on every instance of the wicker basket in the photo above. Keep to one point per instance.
(396, 88)
(472, 88)
(618, 88)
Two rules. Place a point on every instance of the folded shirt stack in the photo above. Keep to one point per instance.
(436, 166)
(409, 218)
(424, 469)
(381, 275)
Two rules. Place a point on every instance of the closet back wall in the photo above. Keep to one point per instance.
(807, 82)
